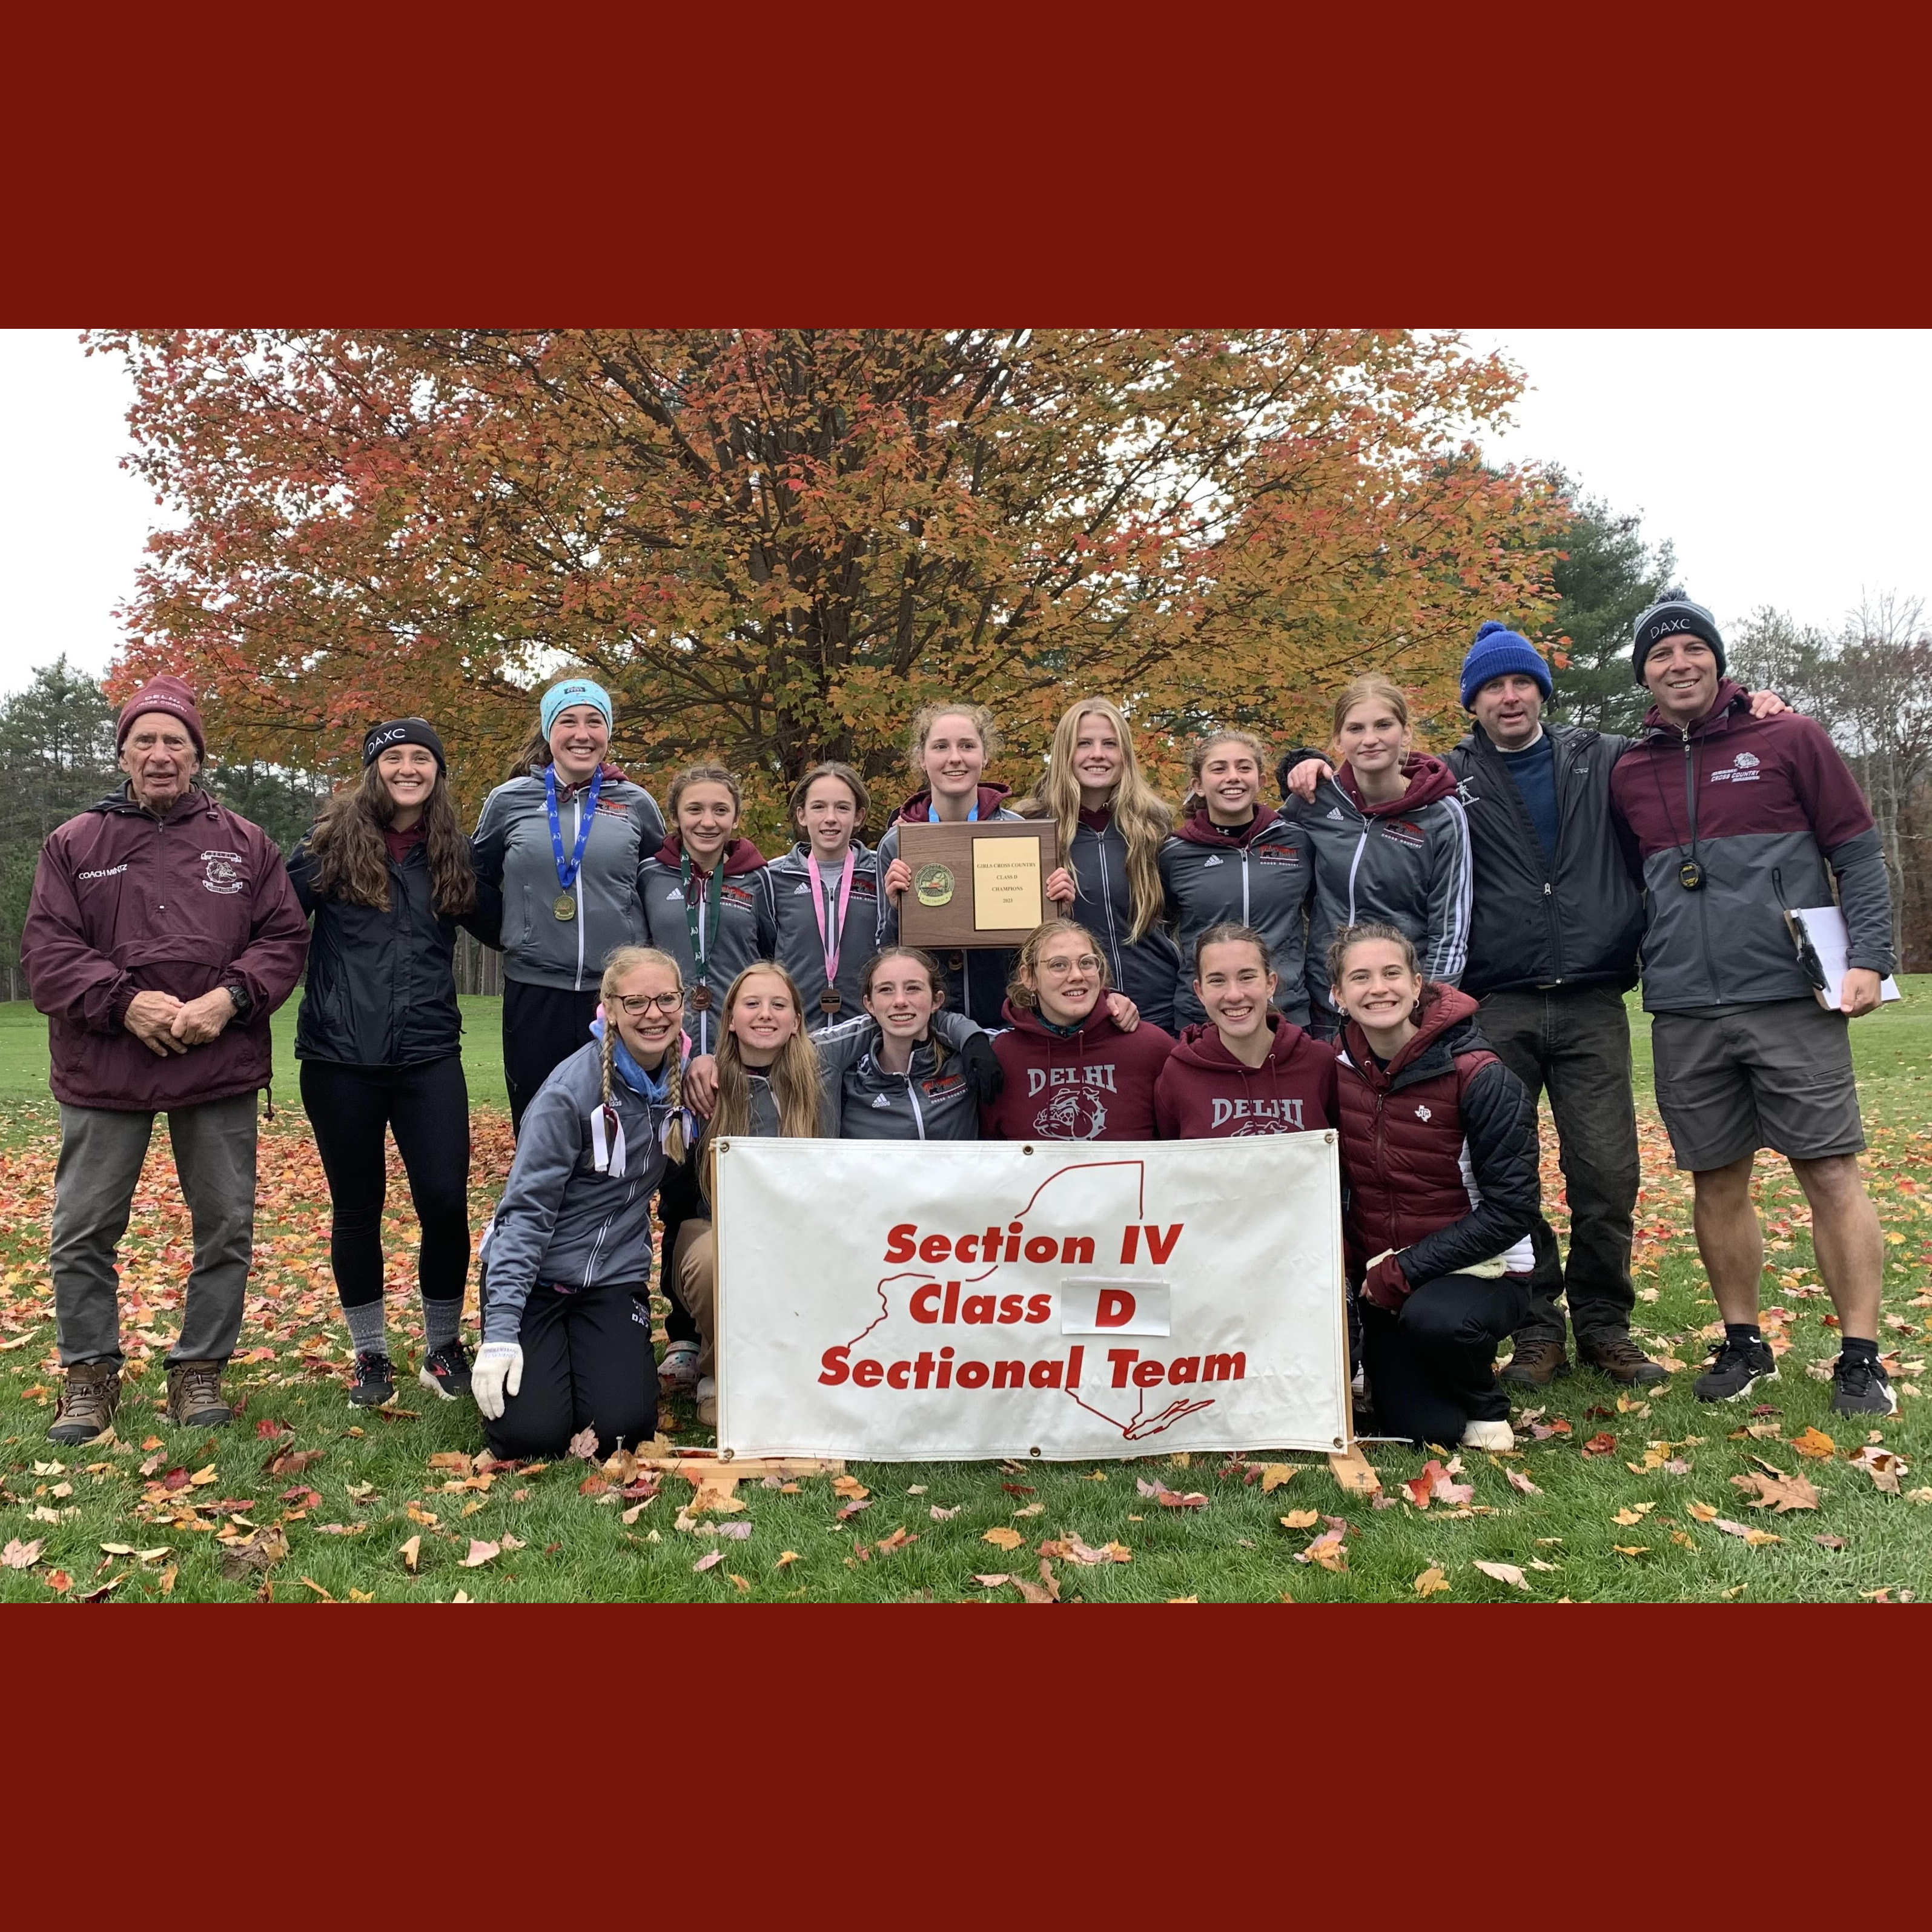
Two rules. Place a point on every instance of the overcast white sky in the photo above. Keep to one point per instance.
(1790, 468)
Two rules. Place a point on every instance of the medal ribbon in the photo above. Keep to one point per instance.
(832, 942)
(567, 872)
(701, 930)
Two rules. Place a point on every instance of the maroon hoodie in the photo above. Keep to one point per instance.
(125, 903)
(1097, 1085)
(1204, 1093)
(915, 809)
(1429, 779)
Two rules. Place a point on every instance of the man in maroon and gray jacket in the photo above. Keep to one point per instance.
(1733, 820)
(162, 934)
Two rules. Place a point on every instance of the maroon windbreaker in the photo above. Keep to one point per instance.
(125, 903)
(1204, 1092)
(1097, 1085)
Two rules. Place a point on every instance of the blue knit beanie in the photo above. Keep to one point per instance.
(1497, 651)
(573, 691)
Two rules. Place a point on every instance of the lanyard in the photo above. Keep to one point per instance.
(830, 942)
(566, 873)
(701, 929)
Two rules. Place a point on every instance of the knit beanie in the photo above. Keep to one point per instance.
(1498, 651)
(573, 691)
(1673, 612)
(404, 731)
(162, 694)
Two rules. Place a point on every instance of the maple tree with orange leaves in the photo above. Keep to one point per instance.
(772, 544)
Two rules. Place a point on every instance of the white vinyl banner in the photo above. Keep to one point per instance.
(956, 1301)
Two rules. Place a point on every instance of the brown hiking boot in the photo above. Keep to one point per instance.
(194, 1396)
(1620, 1359)
(1536, 1363)
(87, 1403)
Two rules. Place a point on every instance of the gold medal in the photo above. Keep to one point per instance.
(829, 1001)
(565, 908)
(701, 999)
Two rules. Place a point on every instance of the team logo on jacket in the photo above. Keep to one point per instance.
(1403, 833)
(218, 873)
(1741, 770)
(1746, 761)
(1073, 1114)
(1277, 1116)
(1422, 1112)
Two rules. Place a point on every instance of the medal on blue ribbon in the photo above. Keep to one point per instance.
(567, 870)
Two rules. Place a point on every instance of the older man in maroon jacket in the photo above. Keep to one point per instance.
(162, 934)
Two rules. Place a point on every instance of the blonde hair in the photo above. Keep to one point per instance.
(1198, 756)
(1026, 960)
(693, 774)
(928, 715)
(1144, 817)
(923, 959)
(794, 1076)
(1370, 687)
(624, 960)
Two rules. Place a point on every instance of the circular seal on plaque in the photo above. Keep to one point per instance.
(933, 885)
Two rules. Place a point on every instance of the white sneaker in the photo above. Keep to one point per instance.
(1488, 1436)
(707, 1388)
(707, 1402)
(679, 1368)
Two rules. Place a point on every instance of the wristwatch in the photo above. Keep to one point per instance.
(239, 994)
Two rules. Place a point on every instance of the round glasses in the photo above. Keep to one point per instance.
(636, 1005)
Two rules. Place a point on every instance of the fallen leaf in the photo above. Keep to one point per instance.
(1274, 1474)
(850, 1486)
(716, 1557)
(1778, 1492)
(1003, 1538)
(897, 1541)
(1435, 1483)
(993, 1580)
(1431, 1583)
(1505, 1572)
(1326, 1550)
(939, 1515)
(452, 1458)
(741, 1584)
(254, 1555)
(1018, 1489)
(852, 1509)
(1703, 1512)
(1753, 1536)
(1829, 1542)
(1174, 1499)
(480, 1553)
(786, 1558)
(167, 1579)
(1815, 1442)
(58, 1581)
(1030, 1509)
(18, 1555)
(593, 1485)
(1599, 1445)
(1631, 1548)
(202, 1477)
(1884, 1468)
(410, 1551)
(1518, 1480)
(287, 1462)
(1300, 1519)
(583, 1445)
(309, 1582)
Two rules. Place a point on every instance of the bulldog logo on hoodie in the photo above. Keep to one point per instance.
(1073, 1114)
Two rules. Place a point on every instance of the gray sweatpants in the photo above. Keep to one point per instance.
(102, 1150)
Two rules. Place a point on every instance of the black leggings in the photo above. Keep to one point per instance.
(1431, 1368)
(588, 1363)
(427, 1109)
(543, 1026)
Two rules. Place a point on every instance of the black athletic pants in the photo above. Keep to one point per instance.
(426, 1107)
(543, 1026)
(588, 1363)
(1431, 1369)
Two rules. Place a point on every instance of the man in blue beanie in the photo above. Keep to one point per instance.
(1555, 924)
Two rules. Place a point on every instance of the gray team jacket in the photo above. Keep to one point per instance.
(868, 1103)
(513, 851)
(744, 934)
(560, 1220)
(793, 882)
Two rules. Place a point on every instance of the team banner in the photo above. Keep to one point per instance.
(969, 1300)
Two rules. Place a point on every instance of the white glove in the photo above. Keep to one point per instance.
(498, 1370)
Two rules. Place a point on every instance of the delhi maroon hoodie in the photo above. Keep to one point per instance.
(1204, 1093)
(1097, 1085)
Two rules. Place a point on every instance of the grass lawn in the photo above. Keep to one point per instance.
(1635, 1516)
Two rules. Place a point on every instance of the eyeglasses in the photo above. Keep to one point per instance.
(1087, 962)
(636, 1005)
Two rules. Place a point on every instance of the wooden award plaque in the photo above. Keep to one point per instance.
(963, 875)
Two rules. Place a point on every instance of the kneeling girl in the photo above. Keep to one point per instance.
(566, 1316)
(1439, 1164)
(1248, 1069)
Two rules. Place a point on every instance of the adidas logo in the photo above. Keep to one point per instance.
(1215, 859)
(1334, 811)
(882, 1101)
(677, 892)
(801, 892)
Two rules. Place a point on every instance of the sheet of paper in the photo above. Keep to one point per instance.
(1007, 888)
(1825, 927)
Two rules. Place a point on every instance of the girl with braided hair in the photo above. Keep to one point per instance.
(566, 1317)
